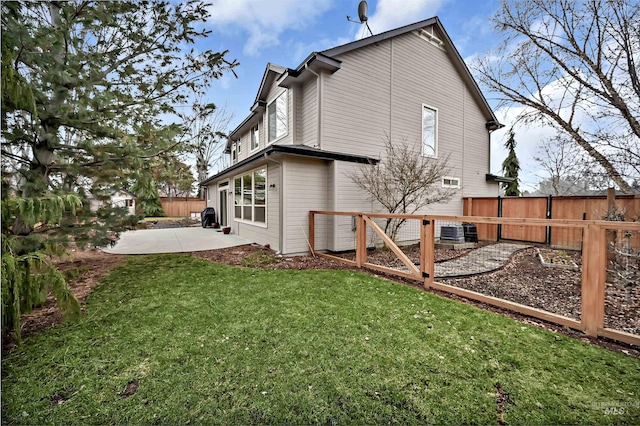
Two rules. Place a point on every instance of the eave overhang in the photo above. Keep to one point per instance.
(498, 179)
(315, 62)
(295, 150)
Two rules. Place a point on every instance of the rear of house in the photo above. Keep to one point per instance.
(311, 126)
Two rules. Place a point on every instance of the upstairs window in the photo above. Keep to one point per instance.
(429, 131)
(278, 117)
(255, 138)
(234, 156)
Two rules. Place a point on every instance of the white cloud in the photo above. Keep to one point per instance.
(390, 14)
(528, 139)
(264, 21)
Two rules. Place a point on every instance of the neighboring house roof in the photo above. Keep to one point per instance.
(297, 150)
(326, 60)
(498, 179)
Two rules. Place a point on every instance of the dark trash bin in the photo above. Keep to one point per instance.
(470, 232)
(208, 217)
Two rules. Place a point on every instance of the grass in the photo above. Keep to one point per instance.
(173, 339)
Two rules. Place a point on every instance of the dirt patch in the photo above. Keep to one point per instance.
(83, 270)
(525, 280)
(384, 256)
(130, 389)
(247, 254)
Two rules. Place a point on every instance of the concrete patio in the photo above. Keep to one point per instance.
(173, 240)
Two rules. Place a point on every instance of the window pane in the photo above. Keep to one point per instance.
(261, 213)
(281, 115)
(271, 112)
(260, 186)
(255, 138)
(428, 132)
(278, 117)
(247, 198)
(237, 183)
(247, 212)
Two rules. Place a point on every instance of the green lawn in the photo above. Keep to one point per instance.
(208, 343)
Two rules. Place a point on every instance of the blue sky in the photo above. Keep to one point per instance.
(286, 31)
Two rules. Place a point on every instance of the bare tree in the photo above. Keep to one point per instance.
(404, 181)
(573, 65)
(206, 129)
(565, 170)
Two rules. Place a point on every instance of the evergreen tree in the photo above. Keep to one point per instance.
(104, 77)
(511, 167)
(85, 88)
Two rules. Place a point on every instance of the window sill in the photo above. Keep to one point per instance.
(247, 222)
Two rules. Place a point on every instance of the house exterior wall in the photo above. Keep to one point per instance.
(380, 90)
(258, 233)
(120, 199)
(306, 186)
(308, 119)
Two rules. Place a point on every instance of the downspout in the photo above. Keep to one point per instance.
(318, 103)
(281, 201)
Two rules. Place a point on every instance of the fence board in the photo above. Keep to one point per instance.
(562, 207)
(535, 208)
(182, 207)
(484, 207)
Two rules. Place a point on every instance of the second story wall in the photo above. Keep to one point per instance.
(287, 124)
(380, 92)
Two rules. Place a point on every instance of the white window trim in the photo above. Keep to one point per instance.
(253, 191)
(234, 154)
(444, 185)
(435, 139)
(286, 93)
(257, 129)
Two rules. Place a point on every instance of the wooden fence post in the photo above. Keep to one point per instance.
(427, 250)
(593, 279)
(312, 233)
(361, 241)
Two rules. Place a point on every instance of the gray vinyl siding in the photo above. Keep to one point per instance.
(306, 189)
(476, 153)
(356, 101)
(256, 233)
(308, 121)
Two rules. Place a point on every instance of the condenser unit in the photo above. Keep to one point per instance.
(454, 233)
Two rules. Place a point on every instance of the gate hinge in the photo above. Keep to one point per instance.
(425, 275)
(426, 222)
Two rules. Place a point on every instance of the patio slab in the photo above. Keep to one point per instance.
(173, 240)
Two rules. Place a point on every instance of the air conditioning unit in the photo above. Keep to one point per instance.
(453, 233)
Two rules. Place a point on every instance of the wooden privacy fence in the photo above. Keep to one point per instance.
(182, 206)
(560, 207)
(594, 262)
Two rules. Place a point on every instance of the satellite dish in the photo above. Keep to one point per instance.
(363, 8)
